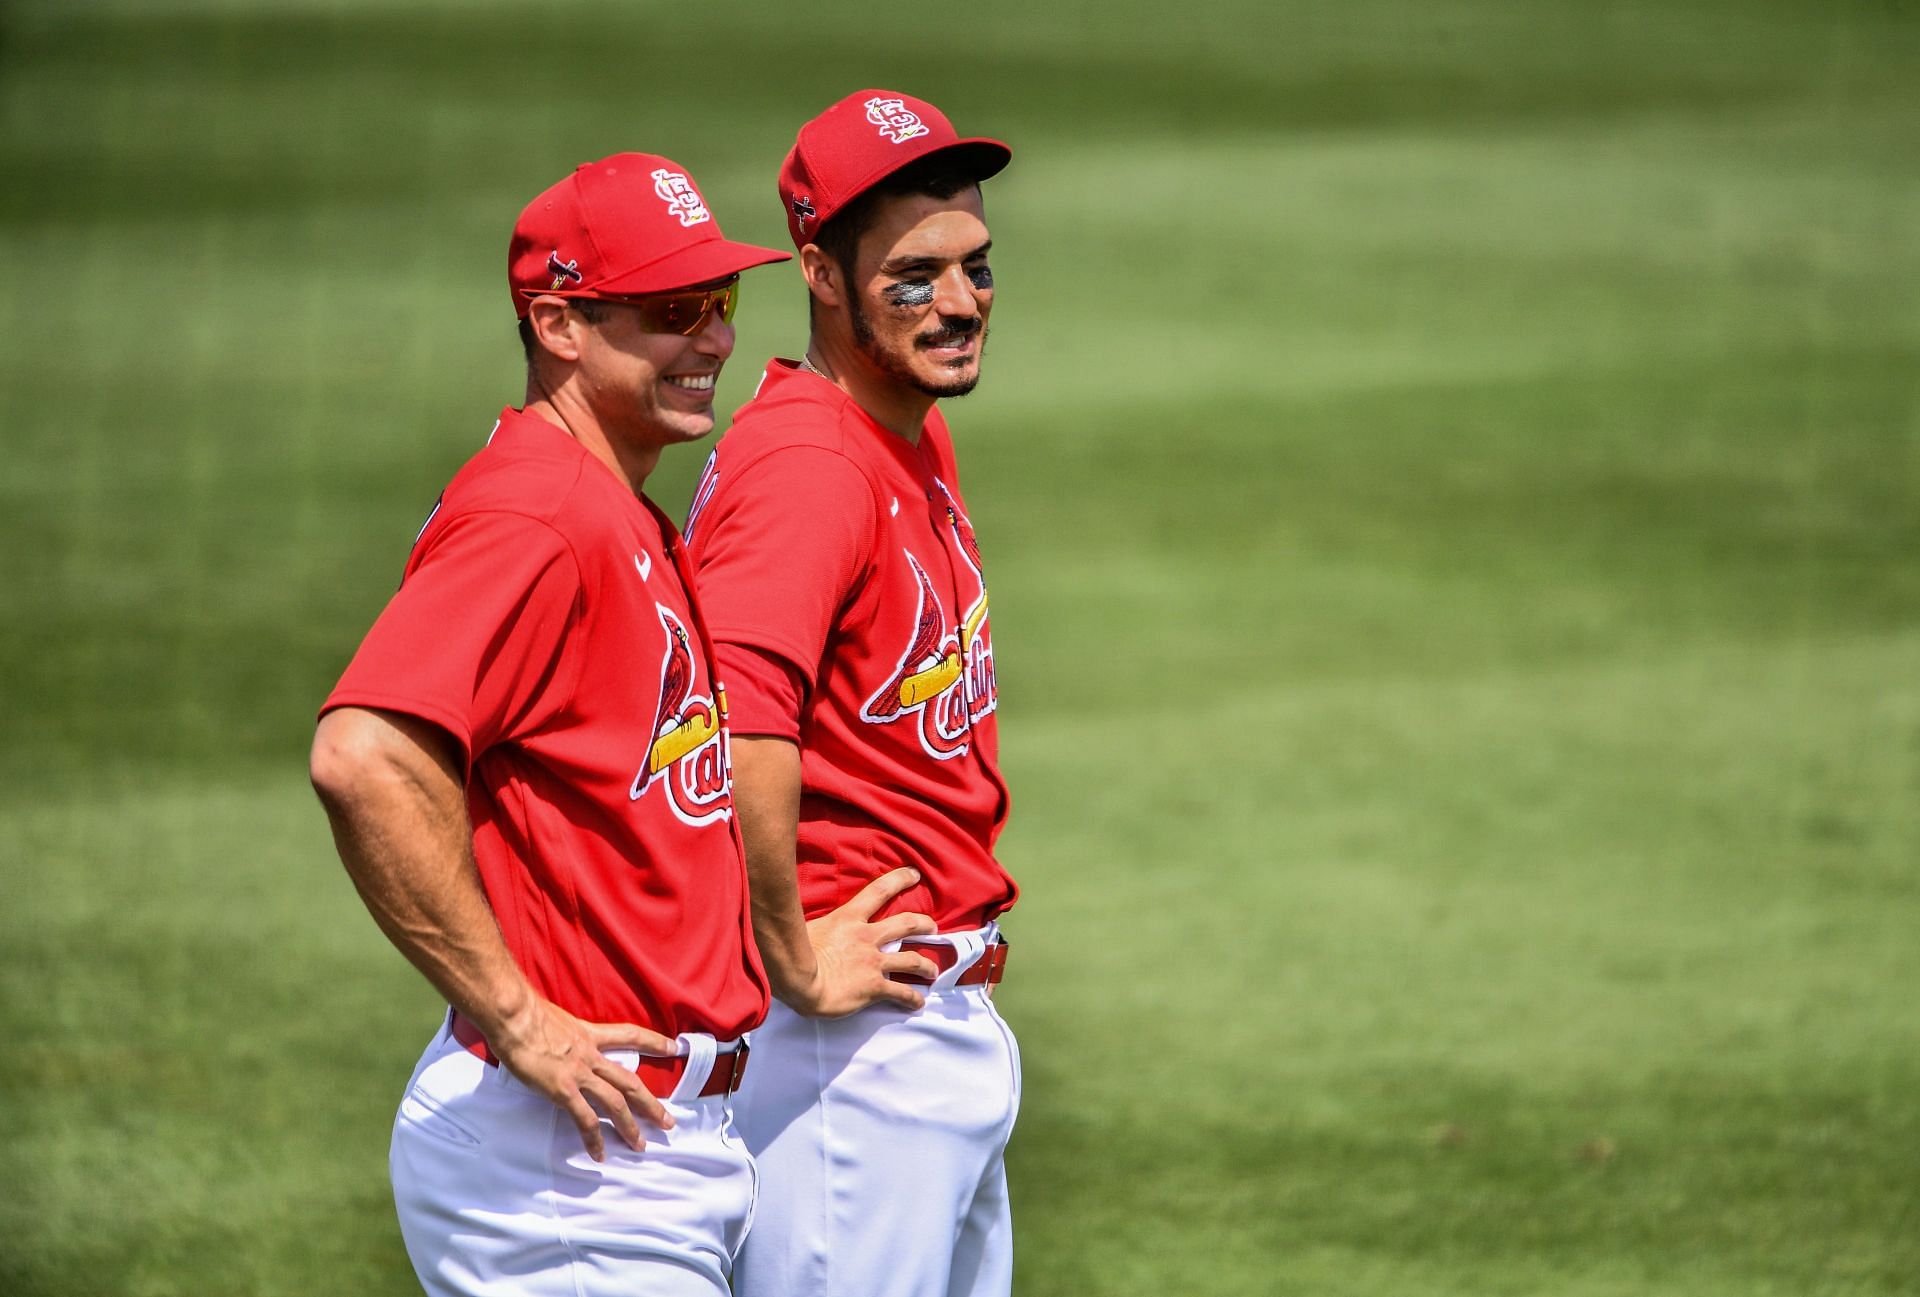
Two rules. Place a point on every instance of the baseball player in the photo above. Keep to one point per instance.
(526, 769)
(848, 602)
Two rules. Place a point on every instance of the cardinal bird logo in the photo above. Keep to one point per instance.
(928, 667)
(944, 680)
(688, 754)
(563, 272)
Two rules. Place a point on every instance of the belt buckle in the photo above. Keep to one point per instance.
(736, 1067)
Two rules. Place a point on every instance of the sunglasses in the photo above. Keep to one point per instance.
(684, 313)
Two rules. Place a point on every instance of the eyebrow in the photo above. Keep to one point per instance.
(904, 264)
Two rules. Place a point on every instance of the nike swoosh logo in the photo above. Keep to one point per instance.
(643, 563)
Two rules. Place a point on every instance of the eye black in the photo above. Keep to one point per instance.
(909, 292)
(981, 277)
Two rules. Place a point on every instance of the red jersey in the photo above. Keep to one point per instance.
(845, 551)
(545, 623)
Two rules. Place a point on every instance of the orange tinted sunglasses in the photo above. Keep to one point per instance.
(684, 313)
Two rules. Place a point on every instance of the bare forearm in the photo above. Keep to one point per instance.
(392, 789)
(399, 820)
(837, 963)
(766, 793)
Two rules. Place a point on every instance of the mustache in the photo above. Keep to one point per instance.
(958, 331)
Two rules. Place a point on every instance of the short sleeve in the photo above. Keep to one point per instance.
(781, 548)
(475, 638)
(764, 692)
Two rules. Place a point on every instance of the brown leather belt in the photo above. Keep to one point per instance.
(984, 971)
(661, 1075)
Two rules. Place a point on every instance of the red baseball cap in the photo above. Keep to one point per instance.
(859, 142)
(629, 224)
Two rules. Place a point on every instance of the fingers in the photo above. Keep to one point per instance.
(620, 1097)
(587, 1122)
(901, 993)
(916, 965)
(625, 1035)
(574, 1071)
(638, 1099)
(610, 1103)
(896, 926)
(869, 899)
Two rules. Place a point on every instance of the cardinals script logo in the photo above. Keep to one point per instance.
(944, 683)
(689, 751)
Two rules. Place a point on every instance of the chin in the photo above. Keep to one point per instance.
(686, 427)
(950, 388)
(948, 382)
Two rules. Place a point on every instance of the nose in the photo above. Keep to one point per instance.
(715, 338)
(954, 295)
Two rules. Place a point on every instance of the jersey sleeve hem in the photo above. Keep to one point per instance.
(439, 717)
(755, 638)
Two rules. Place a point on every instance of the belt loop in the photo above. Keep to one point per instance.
(698, 1049)
(968, 947)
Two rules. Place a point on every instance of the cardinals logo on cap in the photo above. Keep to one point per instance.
(944, 680)
(689, 750)
(563, 272)
(681, 198)
(896, 121)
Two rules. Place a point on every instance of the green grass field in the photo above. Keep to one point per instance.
(1451, 477)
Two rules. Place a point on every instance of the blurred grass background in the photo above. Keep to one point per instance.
(1451, 475)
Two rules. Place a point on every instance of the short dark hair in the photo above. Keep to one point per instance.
(591, 309)
(938, 175)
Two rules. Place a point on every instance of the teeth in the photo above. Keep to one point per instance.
(692, 382)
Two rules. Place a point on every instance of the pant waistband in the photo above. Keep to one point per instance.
(661, 1076)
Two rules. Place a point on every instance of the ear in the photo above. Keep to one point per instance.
(556, 328)
(823, 277)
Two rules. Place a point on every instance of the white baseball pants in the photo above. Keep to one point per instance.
(880, 1139)
(497, 1196)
